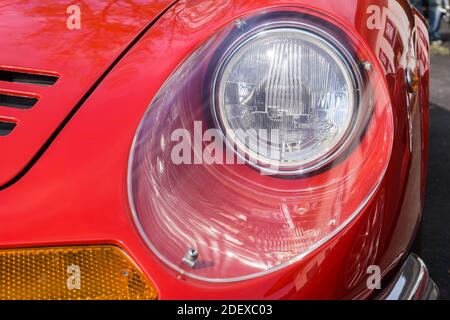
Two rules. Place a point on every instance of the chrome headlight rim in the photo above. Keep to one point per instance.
(350, 67)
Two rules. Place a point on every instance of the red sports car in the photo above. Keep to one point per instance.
(212, 149)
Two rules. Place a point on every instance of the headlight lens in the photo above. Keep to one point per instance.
(288, 70)
(286, 98)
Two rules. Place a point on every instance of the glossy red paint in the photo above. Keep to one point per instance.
(76, 193)
(35, 38)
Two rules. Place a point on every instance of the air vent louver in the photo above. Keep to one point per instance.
(6, 127)
(26, 77)
(16, 101)
(19, 96)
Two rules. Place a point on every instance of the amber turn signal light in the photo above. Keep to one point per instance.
(71, 273)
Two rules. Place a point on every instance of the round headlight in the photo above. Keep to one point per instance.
(286, 99)
(291, 92)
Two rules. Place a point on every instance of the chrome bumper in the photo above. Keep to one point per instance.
(412, 282)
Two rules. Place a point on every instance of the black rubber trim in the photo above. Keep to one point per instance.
(83, 99)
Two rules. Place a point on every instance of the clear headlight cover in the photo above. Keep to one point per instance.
(282, 70)
(287, 99)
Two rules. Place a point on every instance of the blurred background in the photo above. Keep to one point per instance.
(433, 242)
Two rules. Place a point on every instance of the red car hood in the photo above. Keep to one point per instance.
(35, 38)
